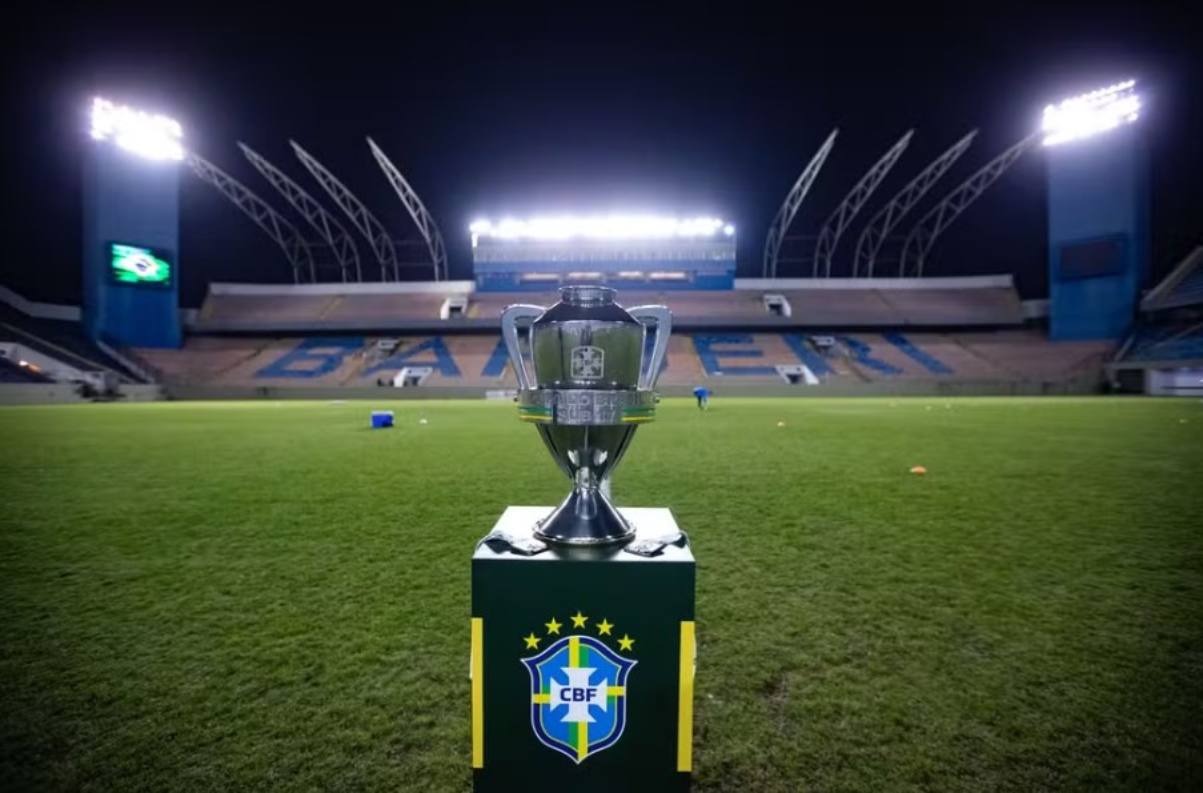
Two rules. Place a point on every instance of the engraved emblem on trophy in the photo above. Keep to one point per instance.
(588, 363)
(587, 387)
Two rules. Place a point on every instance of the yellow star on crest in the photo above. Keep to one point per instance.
(626, 642)
(579, 619)
(532, 641)
(553, 626)
(604, 627)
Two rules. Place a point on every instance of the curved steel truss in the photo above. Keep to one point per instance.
(280, 230)
(789, 208)
(333, 232)
(360, 216)
(417, 210)
(923, 236)
(841, 218)
(882, 223)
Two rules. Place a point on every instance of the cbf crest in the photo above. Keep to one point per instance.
(578, 687)
(588, 363)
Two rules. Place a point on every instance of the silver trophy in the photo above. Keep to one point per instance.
(591, 388)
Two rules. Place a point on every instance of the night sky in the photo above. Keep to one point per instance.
(492, 110)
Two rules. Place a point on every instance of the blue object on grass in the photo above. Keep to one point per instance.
(382, 419)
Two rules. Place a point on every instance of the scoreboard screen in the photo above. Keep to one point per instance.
(137, 266)
(1092, 258)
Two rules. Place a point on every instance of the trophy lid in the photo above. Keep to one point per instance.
(586, 295)
(586, 302)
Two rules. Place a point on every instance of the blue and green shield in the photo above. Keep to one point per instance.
(578, 696)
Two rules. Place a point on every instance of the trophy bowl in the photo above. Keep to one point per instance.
(587, 390)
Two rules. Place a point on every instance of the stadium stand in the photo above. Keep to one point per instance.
(988, 303)
(63, 341)
(939, 356)
(208, 358)
(1182, 287)
(313, 361)
(1164, 353)
(11, 372)
(482, 359)
(1190, 288)
(266, 308)
(1173, 342)
(841, 307)
(775, 335)
(1029, 355)
(999, 306)
(383, 307)
(747, 358)
(489, 305)
(704, 305)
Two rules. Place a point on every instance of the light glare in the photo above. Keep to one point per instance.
(601, 227)
(154, 137)
(1090, 114)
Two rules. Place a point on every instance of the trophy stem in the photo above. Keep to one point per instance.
(585, 517)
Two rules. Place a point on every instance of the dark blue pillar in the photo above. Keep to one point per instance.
(131, 202)
(1098, 233)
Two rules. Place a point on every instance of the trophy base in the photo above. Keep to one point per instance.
(586, 517)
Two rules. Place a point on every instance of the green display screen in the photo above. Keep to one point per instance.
(130, 264)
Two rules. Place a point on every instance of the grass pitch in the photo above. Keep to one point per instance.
(269, 596)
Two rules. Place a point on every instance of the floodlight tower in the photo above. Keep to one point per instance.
(131, 227)
(1098, 224)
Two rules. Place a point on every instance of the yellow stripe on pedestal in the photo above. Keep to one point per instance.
(685, 698)
(477, 666)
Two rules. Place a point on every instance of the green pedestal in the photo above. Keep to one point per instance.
(582, 662)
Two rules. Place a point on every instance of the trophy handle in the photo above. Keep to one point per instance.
(509, 332)
(663, 319)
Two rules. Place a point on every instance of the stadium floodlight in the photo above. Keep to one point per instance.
(148, 135)
(1089, 114)
(599, 227)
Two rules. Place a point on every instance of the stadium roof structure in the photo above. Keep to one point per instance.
(355, 210)
(845, 213)
(883, 222)
(158, 137)
(332, 232)
(417, 210)
(283, 233)
(789, 207)
(924, 234)
(1182, 287)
